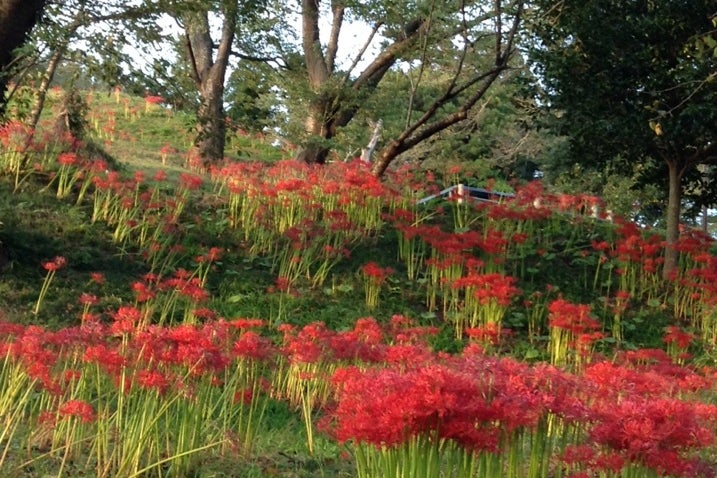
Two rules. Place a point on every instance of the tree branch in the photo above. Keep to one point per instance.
(361, 52)
(383, 62)
(332, 48)
(227, 37)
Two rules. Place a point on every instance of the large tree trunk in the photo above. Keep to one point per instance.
(211, 127)
(17, 17)
(319, 129)
(674, 207)
(208, 72)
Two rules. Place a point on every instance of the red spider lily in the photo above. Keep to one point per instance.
(143, 292)
(403, 330)
(571, 328)
(654, 432)
(165, 151)
(88, 299)
(199, 349)
(204, 313)
(160, 175)
(309, 345)
(214, 254)
(153, 380)
(109, 359)
(487, 334)
(679, 338)
(71, 376)
(57, 263)
(244, 324)
(79, 409)
(68, 159)
(489, 288)
(364, 343)
(190, 182)
(470, 400)
(253, 346)
(591, 460)
(572, 317)
(97, 277)
(126, 319)
(153, 99)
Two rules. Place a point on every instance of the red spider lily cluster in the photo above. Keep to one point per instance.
(377, 387)
(374, 277)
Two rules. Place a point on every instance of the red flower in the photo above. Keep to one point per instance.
(88, 299)
(55, 264)
(242, 323)
(675, 335)
(97, 277)
(573, 317)
(67, 159)
(78, 408)
(152, 379)
(126, 319)
(253, 346)
(375, 272)
(153, 99)
(190, 182)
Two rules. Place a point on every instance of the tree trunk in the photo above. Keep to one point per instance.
(208, 72)
(211, 127)
(674, 207)
(17, 17)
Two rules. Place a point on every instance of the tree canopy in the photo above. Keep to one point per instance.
(624, 82)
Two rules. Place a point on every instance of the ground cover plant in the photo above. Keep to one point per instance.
(279, 319)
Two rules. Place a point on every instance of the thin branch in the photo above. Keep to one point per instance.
(421, 70)
(700, 85)
(361, 52)
(423, 130)
(258, 59)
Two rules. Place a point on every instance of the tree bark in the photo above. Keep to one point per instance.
(674, 207)
(17, 17)
(208, 72)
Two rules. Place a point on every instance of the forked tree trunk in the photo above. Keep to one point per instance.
(208, 72)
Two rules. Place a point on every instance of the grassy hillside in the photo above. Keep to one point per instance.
(223, 302)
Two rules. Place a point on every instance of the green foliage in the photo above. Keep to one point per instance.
(621, 79)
